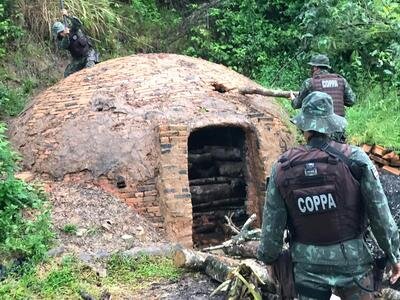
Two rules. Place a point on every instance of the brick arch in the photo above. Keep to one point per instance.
(176, 202)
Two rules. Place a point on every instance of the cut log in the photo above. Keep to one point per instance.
(366, 148)
(203, 193)
(218, 203)
(245, 250)
(392, 170)
(378, 159)
(210, 180)
(200, 158)
(378, 150)
(395, 162)
(186, 258)
(266, 92)
(230, 168)
(226, 153)
(391, 155)
(219, 269)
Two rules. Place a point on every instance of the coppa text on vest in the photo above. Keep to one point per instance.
(316, 203)
(330, 83)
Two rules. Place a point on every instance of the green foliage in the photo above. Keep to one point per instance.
(24, 221)
(70, 229)
(237, 34)
(376, 119)
(64, 279)
(129, 270)
(12, 101)
(362, 37)
(8, 30)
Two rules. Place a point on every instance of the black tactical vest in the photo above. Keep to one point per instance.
(79, 45)
(333, 85)
(322, 197)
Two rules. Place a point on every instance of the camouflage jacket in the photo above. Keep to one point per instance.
(306, 88)
(381, 221)
(75, 25)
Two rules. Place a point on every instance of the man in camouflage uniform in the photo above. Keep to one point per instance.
(305, 198)
(333, 84)
(72, 38)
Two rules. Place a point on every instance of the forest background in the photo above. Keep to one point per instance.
(269, 41)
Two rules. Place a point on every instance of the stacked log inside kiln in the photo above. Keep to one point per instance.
(218, 188)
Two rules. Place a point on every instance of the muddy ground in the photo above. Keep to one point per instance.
(105, 225)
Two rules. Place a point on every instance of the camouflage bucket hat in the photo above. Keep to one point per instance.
(317, 115)
(320, 60)
(57, 28)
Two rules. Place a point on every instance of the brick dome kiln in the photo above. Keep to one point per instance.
(170, 135)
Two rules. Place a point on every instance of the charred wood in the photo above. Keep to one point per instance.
(218, 203)
(210, 180)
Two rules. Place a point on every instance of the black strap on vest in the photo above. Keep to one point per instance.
(354, 167)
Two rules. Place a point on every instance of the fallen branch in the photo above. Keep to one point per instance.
(241, 237)
(266, 92)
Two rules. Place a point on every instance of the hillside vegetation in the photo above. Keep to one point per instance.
(269, 42)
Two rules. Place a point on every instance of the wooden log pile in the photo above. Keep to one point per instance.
(383, 158)
(242, 278)
(218, 188)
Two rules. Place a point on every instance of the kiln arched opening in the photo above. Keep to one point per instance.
(217, 169)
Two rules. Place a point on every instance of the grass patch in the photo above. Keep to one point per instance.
(66, 278)
(70, 229)
(375, 119)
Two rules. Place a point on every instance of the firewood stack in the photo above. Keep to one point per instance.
(383, 158)
(243, 278)
(218, 188)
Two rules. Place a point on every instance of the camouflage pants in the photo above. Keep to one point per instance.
(317, 282)
(78, 64)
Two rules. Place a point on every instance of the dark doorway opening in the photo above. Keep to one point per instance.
(217, 166)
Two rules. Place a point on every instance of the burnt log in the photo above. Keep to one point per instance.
(210, 180)
(205, 193)
(233, 169)
(204, 228)
(218, 203)
(196, 172)
(226, 153)
(200, 158)
(237, 212)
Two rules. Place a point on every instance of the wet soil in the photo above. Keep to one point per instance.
(192, 286)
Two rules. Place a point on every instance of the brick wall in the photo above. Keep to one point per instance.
(173, 183)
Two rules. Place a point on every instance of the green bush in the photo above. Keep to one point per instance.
(8, 30)
(25, 229)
